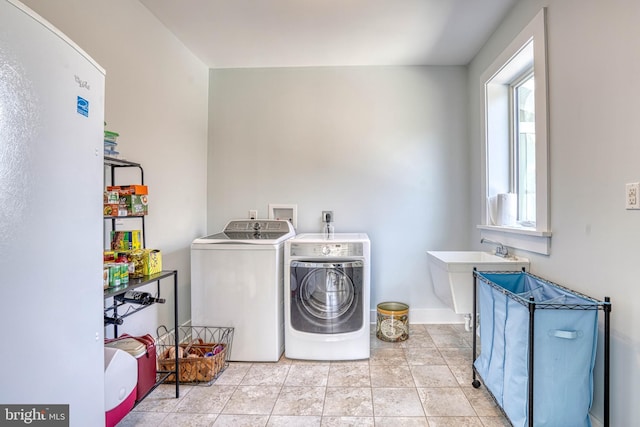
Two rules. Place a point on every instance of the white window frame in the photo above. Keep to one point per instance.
(526, 50)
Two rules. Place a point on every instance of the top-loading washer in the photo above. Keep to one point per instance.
(237, 279)
(327, 293)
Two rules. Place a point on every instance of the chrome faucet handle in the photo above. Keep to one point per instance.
(502, 251)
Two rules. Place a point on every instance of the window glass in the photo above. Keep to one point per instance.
(525, 151)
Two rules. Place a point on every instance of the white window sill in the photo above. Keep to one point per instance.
(527, 239)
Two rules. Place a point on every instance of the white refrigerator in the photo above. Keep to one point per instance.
(51, 185)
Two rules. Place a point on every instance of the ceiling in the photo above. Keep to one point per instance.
(304, 33)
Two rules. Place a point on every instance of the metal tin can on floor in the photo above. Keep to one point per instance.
(392, 322)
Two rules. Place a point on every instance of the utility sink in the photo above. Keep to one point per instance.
(452, 274)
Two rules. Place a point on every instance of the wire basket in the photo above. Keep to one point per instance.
(202, 353)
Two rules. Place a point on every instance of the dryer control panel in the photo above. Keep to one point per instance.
(327, 249)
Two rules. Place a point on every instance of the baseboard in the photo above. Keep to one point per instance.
(429, 316)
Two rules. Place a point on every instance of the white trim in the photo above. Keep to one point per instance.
(529, 240)
(539, 30)
(516, 230)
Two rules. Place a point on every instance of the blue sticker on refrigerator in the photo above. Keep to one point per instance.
(83, 106)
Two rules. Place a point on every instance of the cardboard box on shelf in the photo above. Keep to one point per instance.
(111, 197)
(133, 205)
(123, 190)
(126, 240)
(152, 262)
(110, 209)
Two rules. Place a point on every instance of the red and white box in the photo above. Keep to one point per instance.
(120, 384)
(143, 349)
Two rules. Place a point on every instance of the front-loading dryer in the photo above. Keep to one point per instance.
(327, 293)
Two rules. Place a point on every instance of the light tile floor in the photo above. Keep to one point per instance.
(424, 381)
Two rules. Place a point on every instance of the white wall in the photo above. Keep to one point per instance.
(156, 99)
(594, 66)
(383, 147)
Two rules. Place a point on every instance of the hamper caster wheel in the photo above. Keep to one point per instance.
(476, 384)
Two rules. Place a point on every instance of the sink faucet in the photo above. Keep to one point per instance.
(501, 250)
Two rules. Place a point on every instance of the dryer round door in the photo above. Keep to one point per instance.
(327, 293)
(326, 297)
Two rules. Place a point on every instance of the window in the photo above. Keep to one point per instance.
(515, 144)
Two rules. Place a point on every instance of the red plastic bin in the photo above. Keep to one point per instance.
(143, 348)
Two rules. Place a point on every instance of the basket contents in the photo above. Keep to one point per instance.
(202, 353)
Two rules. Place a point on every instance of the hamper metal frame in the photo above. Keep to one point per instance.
(533, 306)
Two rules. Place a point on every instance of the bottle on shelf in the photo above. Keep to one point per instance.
(136, 297)
(113, 320)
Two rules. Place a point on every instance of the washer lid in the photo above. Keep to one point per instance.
(262, 231)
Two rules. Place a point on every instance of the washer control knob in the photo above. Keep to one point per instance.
(326, 250)
(256, 226)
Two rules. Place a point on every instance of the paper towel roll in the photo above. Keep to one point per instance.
(507, 209)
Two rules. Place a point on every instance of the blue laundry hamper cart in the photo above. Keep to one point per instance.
(538, 349)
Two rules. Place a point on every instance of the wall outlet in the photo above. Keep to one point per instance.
(327, 216)
(253, 214)
(632, 198)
